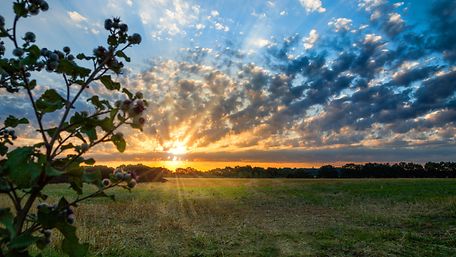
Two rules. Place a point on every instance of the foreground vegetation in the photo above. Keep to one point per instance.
(271, 217)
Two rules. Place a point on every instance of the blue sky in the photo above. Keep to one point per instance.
(301, 80)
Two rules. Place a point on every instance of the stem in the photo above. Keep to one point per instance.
(93, 144)
(68, 107)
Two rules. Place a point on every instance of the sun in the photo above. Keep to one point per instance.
(178, 148)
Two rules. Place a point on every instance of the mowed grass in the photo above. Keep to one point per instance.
(271, 217)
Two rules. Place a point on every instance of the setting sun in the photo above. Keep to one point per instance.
(178, 148)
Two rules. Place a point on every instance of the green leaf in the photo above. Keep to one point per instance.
(52, 172)
(21, 167)
(90, 161)
(91, 133)
(123, 55)
(109, 84)
(70, 244)
(128, 93)
(13, 122)
(22, 241)
(67, 146)
(119, 142)
(3, 149)
(92, 177)
(6, 219)
(19, 9)
(50, 101)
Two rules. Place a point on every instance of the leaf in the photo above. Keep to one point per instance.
(119, 142)
(50, 101)
(19, 9)
(3, 149)
(6, 219)
(52, 172)
(123, 55)
(92, 177)
(127, 92)
(91, 133)
(70, 244)
(21, 167)
(22, 241)
(90, 161)
(13, 122)
(109, 84)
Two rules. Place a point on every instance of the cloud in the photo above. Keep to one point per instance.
(340, 24)
(312, 5)
(76, 17)
(311, 39)
(219, 26)
(168, 18)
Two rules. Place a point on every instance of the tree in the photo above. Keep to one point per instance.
(26, 171)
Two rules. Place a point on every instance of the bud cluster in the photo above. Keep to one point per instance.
(8, 133)
(119, 175)
(33, 7)
(47, 233)
(67, 213)
(53, 58)
(135, 109)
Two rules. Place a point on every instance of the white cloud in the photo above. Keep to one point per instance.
(311, 39)
(76, 17)
(200, 26)
(312, 5)
(399, 4)
(167, 18)
(219, 26)
(372, 38)
(369, 5)
(261, 42)
(130, 3)
(340, 24)
(395, 18)
(283, 13)
(215, 13)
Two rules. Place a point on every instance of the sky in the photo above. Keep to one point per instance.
(274, 83)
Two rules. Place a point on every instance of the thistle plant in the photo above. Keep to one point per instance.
(66, 133)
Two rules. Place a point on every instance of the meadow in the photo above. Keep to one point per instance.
(271, 217)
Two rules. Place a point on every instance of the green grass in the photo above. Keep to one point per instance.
(272, 217)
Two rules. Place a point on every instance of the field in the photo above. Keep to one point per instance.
(272, 217)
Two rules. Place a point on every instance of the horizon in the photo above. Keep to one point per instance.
(296, 82)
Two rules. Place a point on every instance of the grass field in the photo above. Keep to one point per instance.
(272, 217)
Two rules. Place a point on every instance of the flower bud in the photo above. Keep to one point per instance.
(70, 219)
(108, 24)
(119, 176)
(18, 52)
(125, 105)
(44, 51)
(44, 6)
(53, 57)
(106, 182)
(34, 10)
(139, 95)
(2, 21)
(47, 233)
(66, 49)
(123, 27)
(135, 39)
(118, 103)
(30, 37)
(132, 183)
(127, 177)
(84, 147)
(139, 121)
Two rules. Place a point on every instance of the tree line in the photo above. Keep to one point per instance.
(145, 173)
